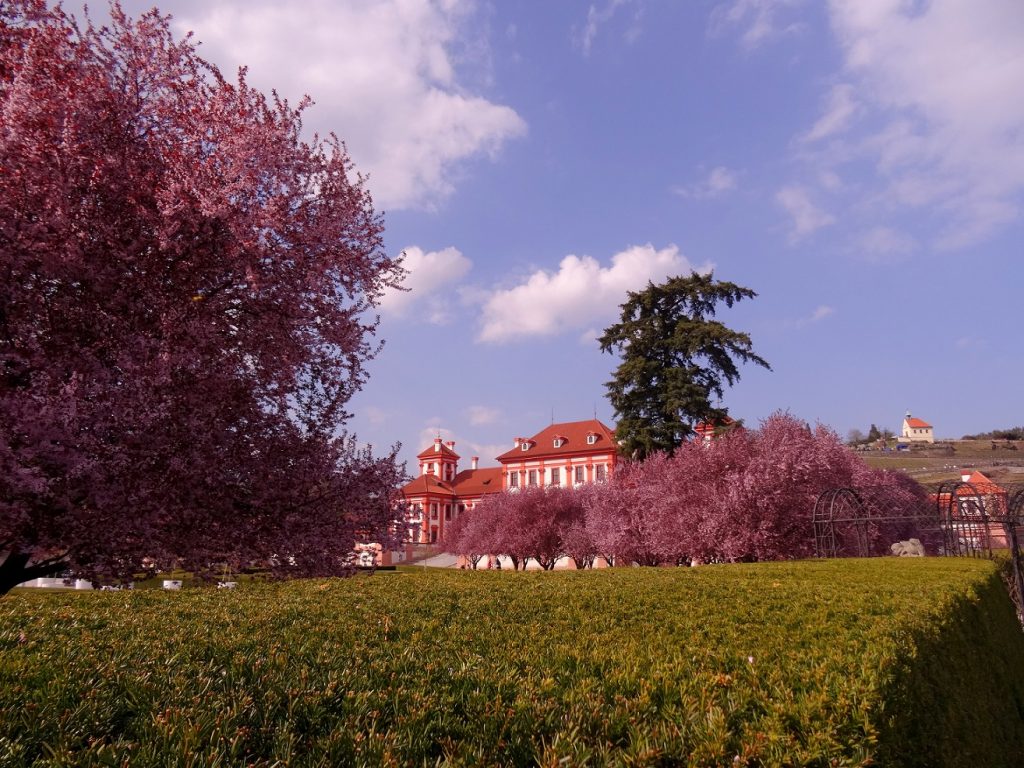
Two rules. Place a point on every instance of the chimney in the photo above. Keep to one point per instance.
(437, 445)
(476, 461)
(451, 444)
(965, 475)
(516, 442)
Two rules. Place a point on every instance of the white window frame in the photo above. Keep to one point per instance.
(556, 476)
(591, 439)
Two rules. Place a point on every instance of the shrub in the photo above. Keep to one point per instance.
(811, 663)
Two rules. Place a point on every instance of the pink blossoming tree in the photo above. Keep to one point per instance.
(184, 292)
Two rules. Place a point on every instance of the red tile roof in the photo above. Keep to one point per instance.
(575, 435)
(981, 484)
(427, 484)
(917, 423)
(477, 482)
(429, 452)
(708, 428)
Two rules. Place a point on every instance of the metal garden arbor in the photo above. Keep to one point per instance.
(954, 519)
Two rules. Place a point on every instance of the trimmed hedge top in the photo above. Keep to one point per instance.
(843, 662)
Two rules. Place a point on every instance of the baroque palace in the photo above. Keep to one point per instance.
(565, 454)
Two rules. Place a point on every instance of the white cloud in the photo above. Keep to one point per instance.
(720, 180)
(596, 17)
(820, 313)
(830, 180)
(383, 75)
(807, 217)
(482, 414)
(841, 107)
(375, 415)
(883, 242)
(758, 19)
(580, 294)
(465, 448)
(942, 80)
(428, 273)
(971, 342)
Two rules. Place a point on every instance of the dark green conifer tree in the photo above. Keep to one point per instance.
(675, 359)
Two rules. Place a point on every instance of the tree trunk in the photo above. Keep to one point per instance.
(15, 569)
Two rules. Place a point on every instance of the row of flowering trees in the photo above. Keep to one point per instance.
(747, 496)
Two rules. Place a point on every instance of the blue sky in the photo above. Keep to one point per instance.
(858, 163)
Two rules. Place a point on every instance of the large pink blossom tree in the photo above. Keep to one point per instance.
(186, 296)
(626, 516)
(747, 495)
(750, 494)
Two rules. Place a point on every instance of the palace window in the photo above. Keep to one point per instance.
(447, 511)
(578, 475)
(433, 511)
(556, 476)
(591, 439)
(559, 442)
(513, 479)
(533, 477)
(599, 474)
(525, 446)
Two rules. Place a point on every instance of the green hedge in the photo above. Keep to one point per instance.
(857, 662)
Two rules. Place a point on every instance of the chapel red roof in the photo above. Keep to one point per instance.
(917, 423)
(574, 441)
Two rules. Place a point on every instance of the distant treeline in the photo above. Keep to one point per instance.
(1013, 433)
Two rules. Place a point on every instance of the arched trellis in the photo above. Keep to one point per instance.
(865, 520)
(954, 518)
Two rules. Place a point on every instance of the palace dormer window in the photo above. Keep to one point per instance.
(591, 438)
(559, 441)
(524, 447)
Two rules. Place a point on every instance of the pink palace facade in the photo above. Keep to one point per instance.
(566, 454)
